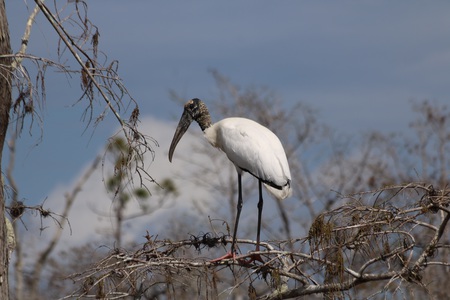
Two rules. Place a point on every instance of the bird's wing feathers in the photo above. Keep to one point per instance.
(255, 149)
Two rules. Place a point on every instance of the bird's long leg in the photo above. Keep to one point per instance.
(260, 208)
(258, 232)
(232, 253)
(238, 214)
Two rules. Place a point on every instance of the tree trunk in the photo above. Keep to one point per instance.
(5, 105)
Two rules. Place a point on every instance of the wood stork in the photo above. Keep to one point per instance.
(250, 146)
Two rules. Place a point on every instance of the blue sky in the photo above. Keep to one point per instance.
(358, 62)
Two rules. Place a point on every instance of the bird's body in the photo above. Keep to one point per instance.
(255, 149)
(250, 146)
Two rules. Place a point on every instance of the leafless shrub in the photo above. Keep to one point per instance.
(102, 89)
(379, 242)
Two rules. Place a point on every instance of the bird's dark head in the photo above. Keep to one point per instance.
(196, 110)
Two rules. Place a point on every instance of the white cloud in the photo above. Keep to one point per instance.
(92, 214)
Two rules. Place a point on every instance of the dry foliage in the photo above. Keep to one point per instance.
(78, 56)
(102, 93)
(380, 243)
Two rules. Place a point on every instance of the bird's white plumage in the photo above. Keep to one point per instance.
(253, 148)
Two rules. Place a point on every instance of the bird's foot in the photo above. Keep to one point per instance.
(250, 259)
(229, 255)
(243, 261)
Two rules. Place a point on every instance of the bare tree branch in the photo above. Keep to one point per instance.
(384, 241)
(42, 258)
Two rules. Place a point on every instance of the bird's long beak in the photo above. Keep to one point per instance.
(182, 127)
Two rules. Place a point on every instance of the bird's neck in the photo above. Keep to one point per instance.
(204, 121)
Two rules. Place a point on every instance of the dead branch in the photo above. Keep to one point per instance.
(388, 236)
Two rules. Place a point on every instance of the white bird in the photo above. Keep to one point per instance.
(250, 146)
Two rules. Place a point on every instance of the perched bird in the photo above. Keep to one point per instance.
(250, 146)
